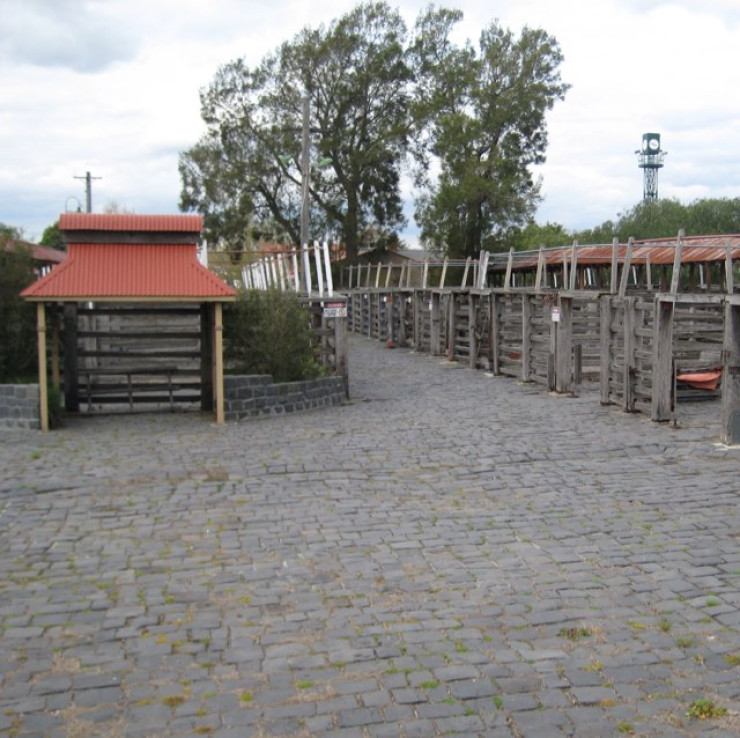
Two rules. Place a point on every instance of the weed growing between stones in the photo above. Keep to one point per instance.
(705, 709)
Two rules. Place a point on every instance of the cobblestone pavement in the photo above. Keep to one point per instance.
(449, 553)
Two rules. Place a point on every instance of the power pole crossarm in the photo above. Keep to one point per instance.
(88, 190)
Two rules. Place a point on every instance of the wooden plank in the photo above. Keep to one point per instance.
(564, 347)
(526, 338)
(676, 275)
(615, 267)
(218, 350)
(626, 268)
(573, 265)
(509, 265)
(729, 271)
(662, 367)
(730, 418)
(43, 388)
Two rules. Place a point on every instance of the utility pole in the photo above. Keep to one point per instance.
(305, 171)
(88, 189)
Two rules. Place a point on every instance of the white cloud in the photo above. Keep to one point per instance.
(62, 33)
(111, 87)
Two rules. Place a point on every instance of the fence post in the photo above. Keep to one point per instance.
(564, 346)
(471, 330)
(495, 332)
(434, 325)
(628, 370)
(730, 431)
(614, 276)
(661, 401)
(526, 337)
(341, 351)
(676, 274)
(605, 312)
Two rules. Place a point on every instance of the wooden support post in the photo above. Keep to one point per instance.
(341, 351)
(628, 368)
(471, 330)
(43, 388)
(540, 268)
(509, 266)
(574, 266)
(551, 356)
(444, 274)
(71, 376)
(605, 311)
(729, 272)
(661, 404)
(564, 346)
(495, 330)
(434, 329)
(626, 268)
(464, 281)
(402, 310)
(648, 272)
(730, 430)
(389, 334)
(451, 303)
(676, 276)
(615, 267)
(418, 307)
(218, 351)
(526, 337)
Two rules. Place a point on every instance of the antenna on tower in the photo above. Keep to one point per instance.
(650, 158)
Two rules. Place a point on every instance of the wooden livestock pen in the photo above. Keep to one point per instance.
(636, 318)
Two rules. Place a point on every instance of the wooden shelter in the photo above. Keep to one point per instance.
(144, 263)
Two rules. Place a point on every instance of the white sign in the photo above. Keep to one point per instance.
(556, 315)
(335, 310)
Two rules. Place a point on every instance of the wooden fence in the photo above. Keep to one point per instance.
(634, 346)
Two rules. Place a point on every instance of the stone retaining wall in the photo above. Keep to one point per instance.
(255, 395)
(19, 406)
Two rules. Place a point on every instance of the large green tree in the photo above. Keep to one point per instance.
(17, 317)
(665, 217)
(485, 126)
(247, 168)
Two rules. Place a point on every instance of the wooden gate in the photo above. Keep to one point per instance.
(133, 356)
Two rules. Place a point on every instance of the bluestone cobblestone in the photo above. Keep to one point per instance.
(447, 553)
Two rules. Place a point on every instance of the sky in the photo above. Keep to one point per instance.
(111, 87)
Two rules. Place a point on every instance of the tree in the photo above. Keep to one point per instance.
(484, 123)
(533, 235)
(247, 168)
(17, 318)
(52, 237)
(665, 217)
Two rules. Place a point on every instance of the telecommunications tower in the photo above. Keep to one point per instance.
(650, 159)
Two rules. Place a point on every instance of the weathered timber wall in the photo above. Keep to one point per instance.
(632, 345)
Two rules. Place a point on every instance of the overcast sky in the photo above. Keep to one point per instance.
(111, 87)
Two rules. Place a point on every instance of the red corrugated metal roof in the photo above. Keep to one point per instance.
(150, 272)
(130, 222)
(659, 251)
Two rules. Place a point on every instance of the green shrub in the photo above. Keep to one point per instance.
(269, 333)
(54, 405)
(17, 317)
